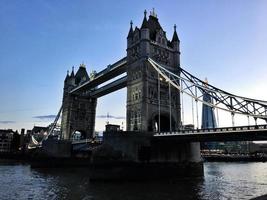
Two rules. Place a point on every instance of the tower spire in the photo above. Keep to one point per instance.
(153, 13)
(72, 73)
(145, 23)
(175, 36)
(67, 76)
(130, 34)
(82, 65)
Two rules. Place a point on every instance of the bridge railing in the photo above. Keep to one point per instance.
(222, 129)
(85, 141)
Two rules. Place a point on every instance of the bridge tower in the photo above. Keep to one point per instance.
(146, 106)
(78, 110)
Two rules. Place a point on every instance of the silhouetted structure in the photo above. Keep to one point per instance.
(208, 116)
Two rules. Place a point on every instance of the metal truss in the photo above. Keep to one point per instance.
(188, 84)
(54, 124)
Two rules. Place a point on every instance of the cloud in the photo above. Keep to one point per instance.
(111, 117)
(44, 117)
(7, 122)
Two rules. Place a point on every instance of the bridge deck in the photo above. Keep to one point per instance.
(242, 133)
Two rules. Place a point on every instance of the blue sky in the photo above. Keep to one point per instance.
(225, 41)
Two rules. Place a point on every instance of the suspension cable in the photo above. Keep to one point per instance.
(196, 107)
(170, 102)
(193, 112)
(233, 119)
(217, 113)
(55, 122)
(255, 118)
(248, 121)
(182, 103)
(159, 101)
(190, 78)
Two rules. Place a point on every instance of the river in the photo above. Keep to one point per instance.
(220, 181)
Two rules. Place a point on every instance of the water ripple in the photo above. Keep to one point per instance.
(221, 181)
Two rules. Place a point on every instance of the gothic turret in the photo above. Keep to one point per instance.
(81, 76)
(175, 36)
(145, 23)
(144, 45)
(67, 77)
(130, 34)
(175, 43)
(72, 72)
(72, 77)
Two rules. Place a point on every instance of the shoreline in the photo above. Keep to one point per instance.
(233, 158)
(27, 158)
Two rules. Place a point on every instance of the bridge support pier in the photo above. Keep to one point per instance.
(146, 157)
(169, 151)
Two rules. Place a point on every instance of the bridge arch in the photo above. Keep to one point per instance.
(164, 120)
(78, 135)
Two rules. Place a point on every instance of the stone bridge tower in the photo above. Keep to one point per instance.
(78, 111)
(142, 80)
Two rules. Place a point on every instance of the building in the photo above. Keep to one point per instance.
(208, 116)
(112, 128)
(258, 148)
(208, 120)
(6, 137)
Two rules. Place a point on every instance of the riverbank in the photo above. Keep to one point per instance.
(13, 156)
(263, 197)
(73, 161)
(233, 158)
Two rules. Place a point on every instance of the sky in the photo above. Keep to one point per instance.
(225, 41)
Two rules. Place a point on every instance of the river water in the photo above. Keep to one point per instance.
(220, 181)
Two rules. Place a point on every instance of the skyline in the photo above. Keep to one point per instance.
(43, 39)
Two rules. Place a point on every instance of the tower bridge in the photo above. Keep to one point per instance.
(156, 85)
(143, 89)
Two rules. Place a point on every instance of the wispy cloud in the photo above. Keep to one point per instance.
(111, 117)
(44, 117)
(7, 122)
